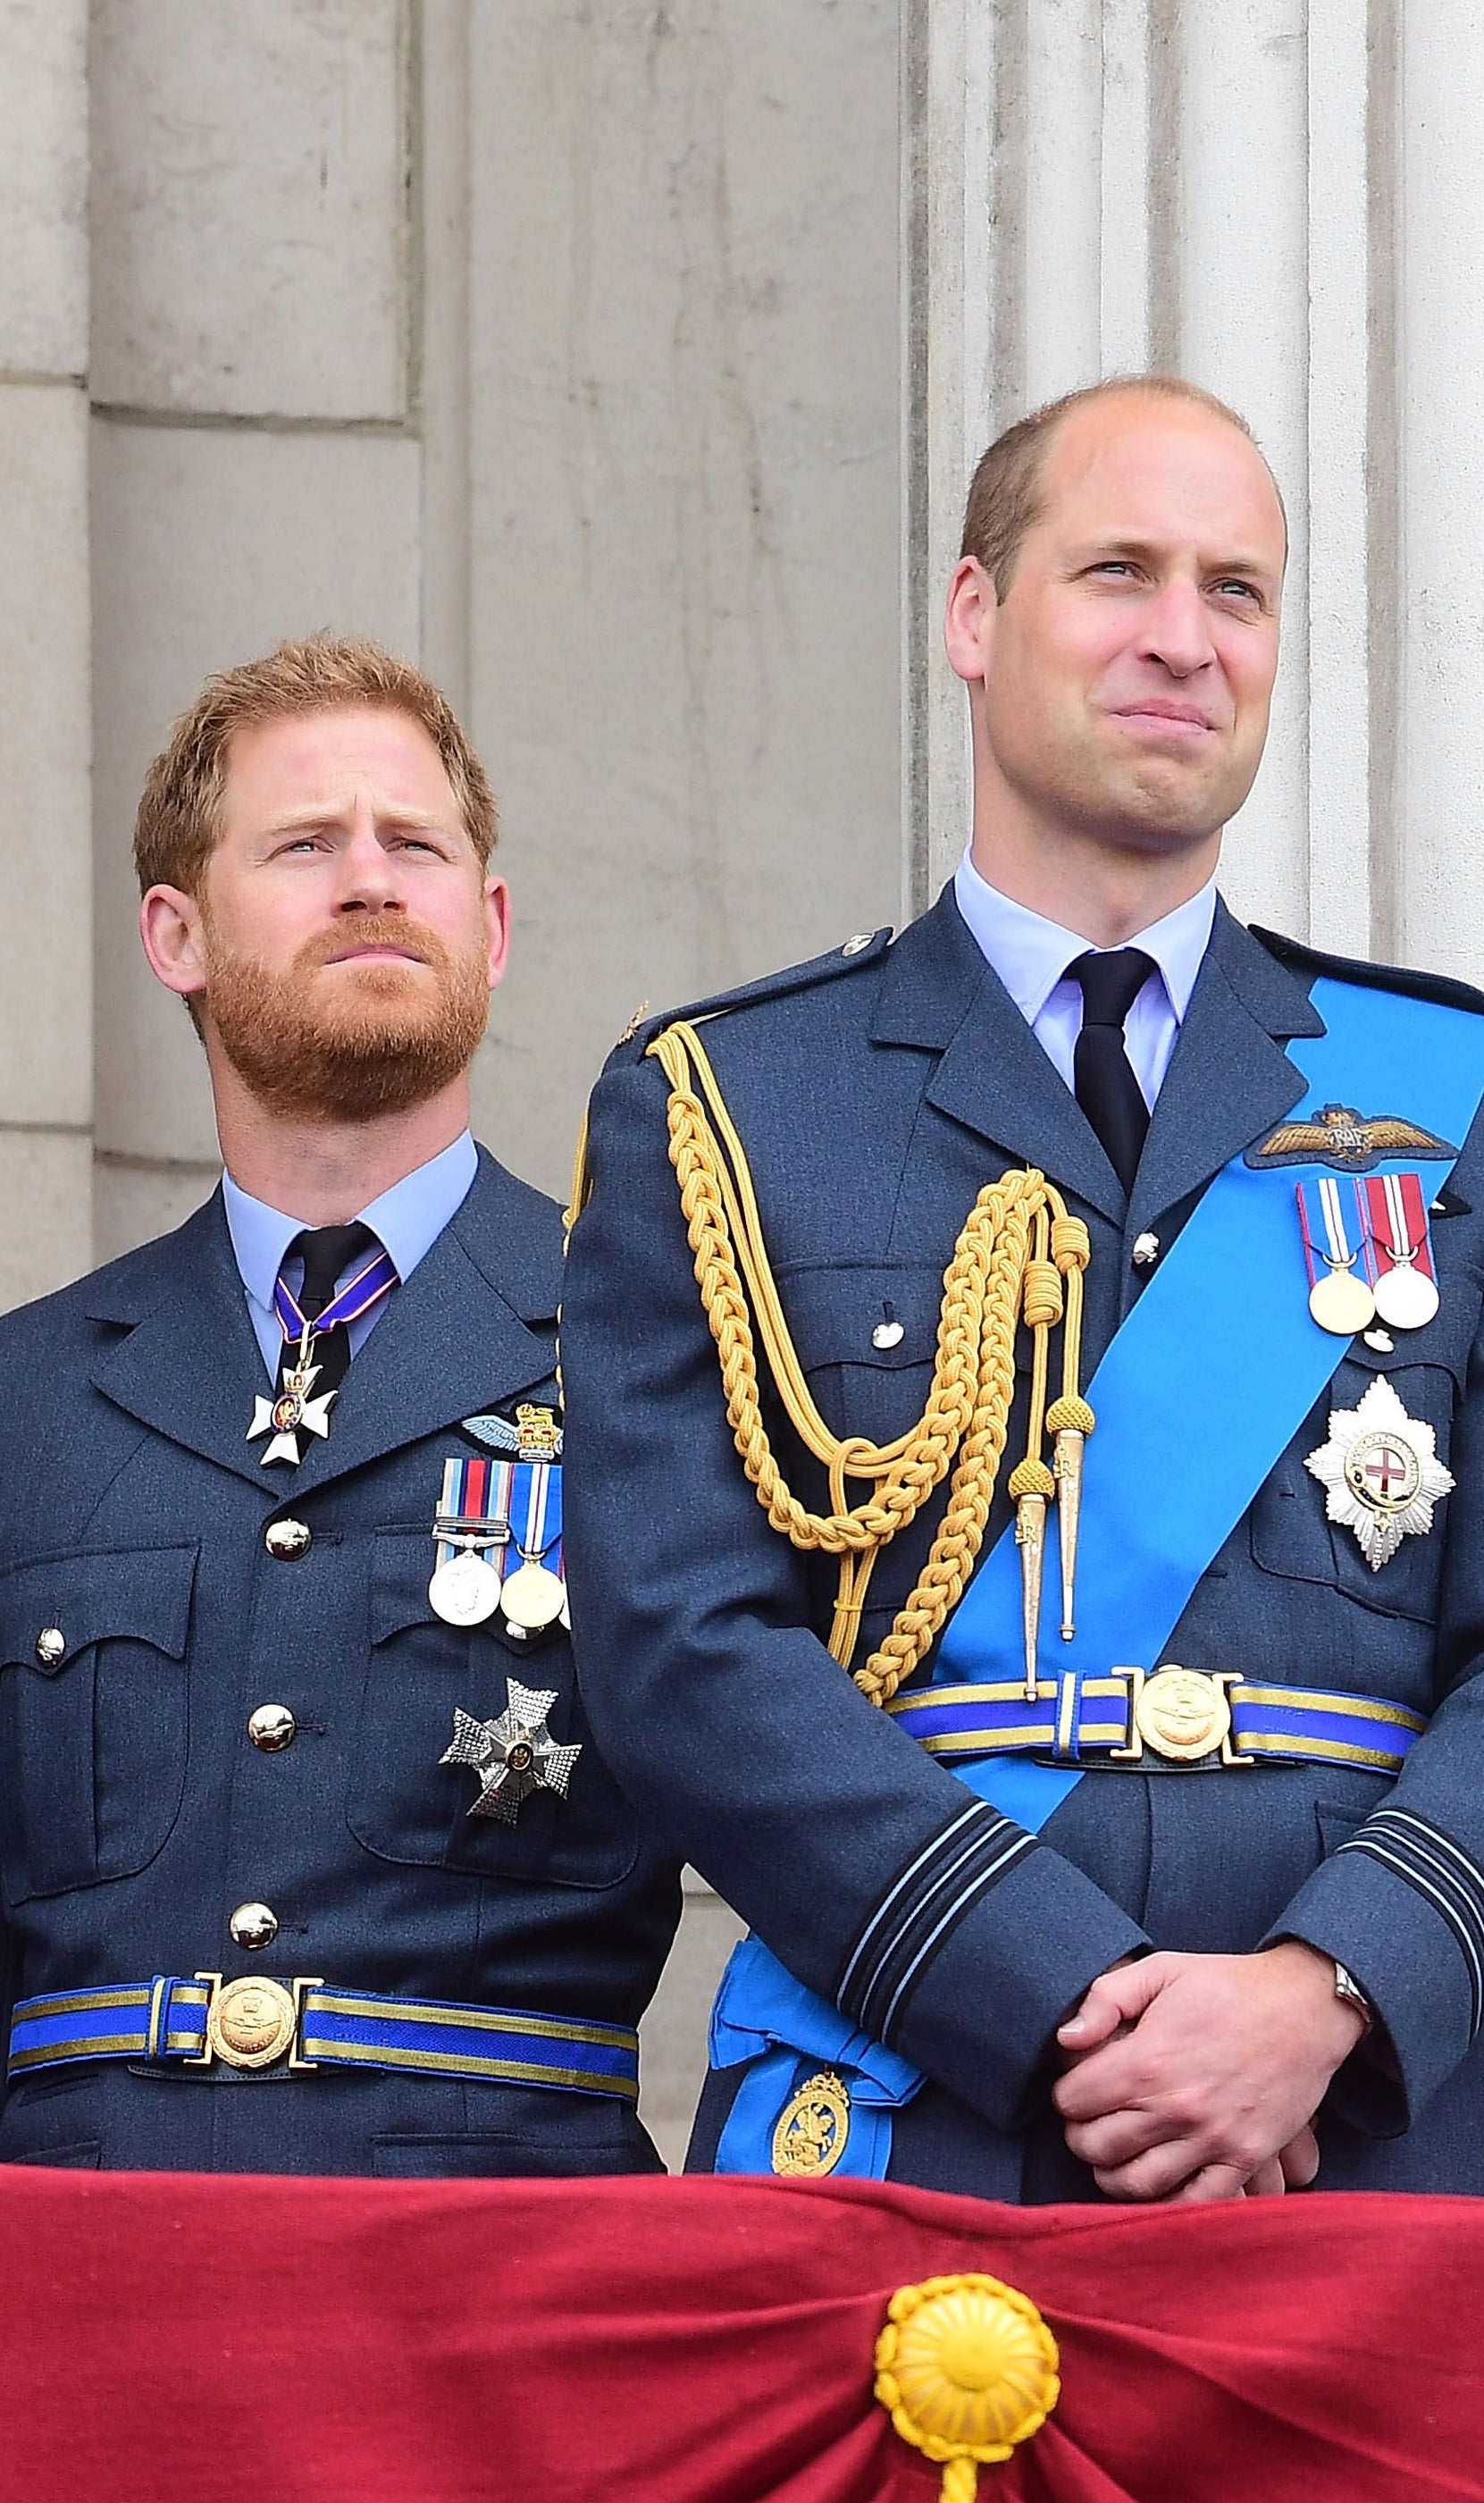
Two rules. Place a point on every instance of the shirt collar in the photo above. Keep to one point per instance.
(408, 1218)
(1031, 955)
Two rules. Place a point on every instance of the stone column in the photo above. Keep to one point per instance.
(45, 1016)
(1277, 198)
(256, 471)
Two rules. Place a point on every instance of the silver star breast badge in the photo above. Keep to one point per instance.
(1380, 1472)
(512, 1756)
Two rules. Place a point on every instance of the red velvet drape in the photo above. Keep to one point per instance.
(173, 2339)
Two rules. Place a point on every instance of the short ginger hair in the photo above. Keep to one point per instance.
(1004, 499)
(180, 813)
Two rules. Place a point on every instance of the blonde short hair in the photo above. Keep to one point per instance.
(180, 813)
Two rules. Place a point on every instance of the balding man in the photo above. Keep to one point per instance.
(1024, 1479)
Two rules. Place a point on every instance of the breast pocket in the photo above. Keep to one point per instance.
(94, 1715)
(866, 1337)
(406, 1805)
(1291, 1532)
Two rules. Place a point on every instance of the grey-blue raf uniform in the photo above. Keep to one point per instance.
(875, 1093)
(136, 1813)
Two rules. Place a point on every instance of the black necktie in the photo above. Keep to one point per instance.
(1105, 1085)
(326, 1250)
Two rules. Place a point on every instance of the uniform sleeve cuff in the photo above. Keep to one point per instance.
(977, 1953)
(1397, 1907)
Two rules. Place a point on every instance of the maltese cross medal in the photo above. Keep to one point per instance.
(512, 1756)
(1380, 1472)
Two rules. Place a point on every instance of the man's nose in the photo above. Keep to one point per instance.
(369, 879)
(1176, 629)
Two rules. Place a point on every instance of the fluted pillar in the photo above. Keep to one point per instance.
(1280, 200)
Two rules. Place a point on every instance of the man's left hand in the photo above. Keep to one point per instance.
(1191, 2075)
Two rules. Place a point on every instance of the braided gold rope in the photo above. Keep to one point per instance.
(999, 1267)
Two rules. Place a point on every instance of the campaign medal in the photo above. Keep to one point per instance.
(1401, 1250)
(512, 1756)
(1340, 1301)
(472, 1524)
(533, 1595)
(1380, 1472)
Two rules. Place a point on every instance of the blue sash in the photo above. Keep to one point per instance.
(1158, 1500)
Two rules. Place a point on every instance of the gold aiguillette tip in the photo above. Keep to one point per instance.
(1030, 1539)
(1067, 1465)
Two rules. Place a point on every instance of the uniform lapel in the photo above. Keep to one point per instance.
(451, 1342)
(189, 1364)
(1229, 1078)
(939, 994)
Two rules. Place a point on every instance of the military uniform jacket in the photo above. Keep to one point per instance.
(875, 1094)
(135, 1814)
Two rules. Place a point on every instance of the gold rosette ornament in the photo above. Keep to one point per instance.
(965, 2368)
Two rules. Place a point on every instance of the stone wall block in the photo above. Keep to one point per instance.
(43, 187)
(46, 1187)
(684, 461)
(45, 1047)
(265, 534)
(249, 207)
(672, 2037)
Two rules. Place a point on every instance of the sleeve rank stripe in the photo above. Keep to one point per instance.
(1409, 1847)
(914, 1872)
(952, 1880)
(987, 1878)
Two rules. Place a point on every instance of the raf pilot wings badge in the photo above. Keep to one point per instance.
(1347, 1141)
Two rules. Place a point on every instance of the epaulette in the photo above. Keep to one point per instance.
(1441, 988)
(865, 949)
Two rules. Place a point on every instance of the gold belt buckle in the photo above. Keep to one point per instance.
(252, 2021)
(1181, 1714)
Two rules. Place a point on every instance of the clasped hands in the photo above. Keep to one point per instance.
(1198, 2076)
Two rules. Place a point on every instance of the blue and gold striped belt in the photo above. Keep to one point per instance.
(256, 2021)
(1174, 1720)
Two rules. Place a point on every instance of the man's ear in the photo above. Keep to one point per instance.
(968, 624)
(170, 926)
(496, 925)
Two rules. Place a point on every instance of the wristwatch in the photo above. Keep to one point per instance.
(1347, 1988)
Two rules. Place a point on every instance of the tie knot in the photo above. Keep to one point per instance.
(1111, 980)
(328, 1250)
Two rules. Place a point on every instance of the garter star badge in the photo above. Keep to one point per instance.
(1381, 1473)
(512, 1756)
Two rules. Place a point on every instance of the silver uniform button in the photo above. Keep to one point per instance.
(271, 1727)
(51, 1646)
(853, 947)
(253, 1924)
(887, 1334)
(1146, 1251)
(287, 1539)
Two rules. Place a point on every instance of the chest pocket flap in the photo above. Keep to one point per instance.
(93, 1714)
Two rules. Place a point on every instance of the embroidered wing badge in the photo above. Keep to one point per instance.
(1345, 1140)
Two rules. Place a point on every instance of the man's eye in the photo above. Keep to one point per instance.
(1234, 589)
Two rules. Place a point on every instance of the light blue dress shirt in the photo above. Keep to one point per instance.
(408, 1219)
(1031, 955)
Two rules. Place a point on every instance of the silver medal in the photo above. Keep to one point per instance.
(1406, 1298)
(465, 1590)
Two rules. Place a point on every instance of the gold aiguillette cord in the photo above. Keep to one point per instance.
(1020, 1254)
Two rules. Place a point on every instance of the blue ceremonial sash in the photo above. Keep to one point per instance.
(1160, 1499)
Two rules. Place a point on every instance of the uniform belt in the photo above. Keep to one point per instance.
(256, 2021)
(1176, 1720)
